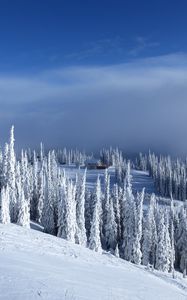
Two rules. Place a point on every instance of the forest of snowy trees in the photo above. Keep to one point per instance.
(35, 187)
(170, 176)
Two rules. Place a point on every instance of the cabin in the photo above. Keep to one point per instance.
(93, 164)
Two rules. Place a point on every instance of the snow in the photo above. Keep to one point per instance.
(140, 180)
(35, 265)
(91, 175)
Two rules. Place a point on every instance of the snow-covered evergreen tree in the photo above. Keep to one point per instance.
(35, 195)
(23, 211)
(172, 236)
(95, 240)
(4, 206)
(41, 195)
(163, 249)
(150, 235)
(48, 220)
(105, 208)
(128, 218)
(117, 205)
(182, 239)
(80, 211)
(12, 177)
(137, 253)
(67, 213)
(5, 165)
(111, 228)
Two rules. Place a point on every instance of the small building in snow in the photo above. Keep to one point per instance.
(94, 163)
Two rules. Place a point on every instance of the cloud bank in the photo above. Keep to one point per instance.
(138, 105)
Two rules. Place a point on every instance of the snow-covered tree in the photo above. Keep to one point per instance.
(163, 249)
(35, 195)
(12, 177)
(105, 208)
(95, 240)
(80, 236)
(41, 195)
(182, 239)
(4, 205)
(150, 234)
(137, 253)
(23, 211)
(128, 219)
(111, 228)
(67, 213)
(117, 205)
(48, 220)
(5, 165)
(172, 236)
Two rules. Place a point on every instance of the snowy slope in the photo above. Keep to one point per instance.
(140, 179)
(34, 265)
(91, 175)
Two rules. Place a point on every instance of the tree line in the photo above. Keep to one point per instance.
(170, 175)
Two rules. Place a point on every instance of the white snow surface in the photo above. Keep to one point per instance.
(34, 265)
(140, 179)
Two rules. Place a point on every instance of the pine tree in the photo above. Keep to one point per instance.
(41, 195)
(67, 213)
(182, 239)
(128, 215)
(34, 198)
(12, 177)
(163, 249)
(149, 235)
(172, 237)
(116, 200)
(111, 228)
(80, 211)
(88, 211)
(48, 220)
(23, 211)
(5, 164)
(137, 254)
(95, 240)
(4, 206)
(105, 209)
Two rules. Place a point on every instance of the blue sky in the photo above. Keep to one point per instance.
(94, 73)
(47, 34)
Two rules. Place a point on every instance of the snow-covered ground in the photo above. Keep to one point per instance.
(140, 179)
(91, 175)
(34, 265)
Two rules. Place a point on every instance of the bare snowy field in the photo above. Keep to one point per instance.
(91, 175)
(140, 179)
(35, 265)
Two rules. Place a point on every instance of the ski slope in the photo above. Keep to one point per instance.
(34, 265)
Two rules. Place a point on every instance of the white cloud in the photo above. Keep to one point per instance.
(137, 105)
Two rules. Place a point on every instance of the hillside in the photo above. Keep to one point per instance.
(39, 266)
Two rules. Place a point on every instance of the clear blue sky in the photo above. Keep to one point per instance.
(36, 34)
(94, 73)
